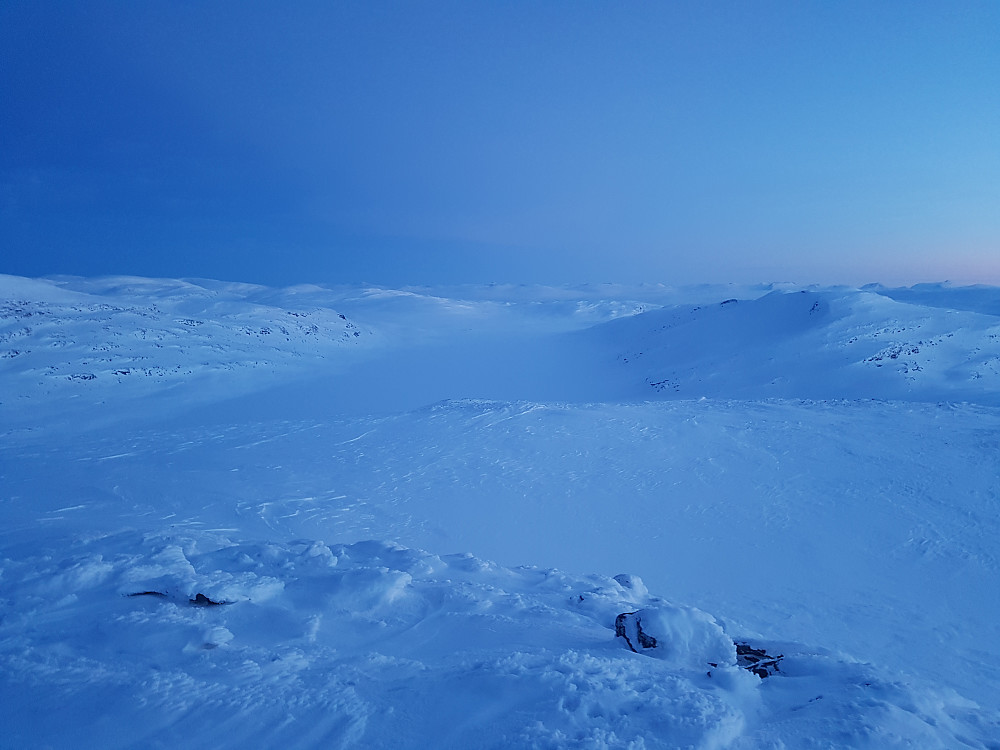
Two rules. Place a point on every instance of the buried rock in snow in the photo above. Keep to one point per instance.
(633, 585)
(200, 600)
(689, 639)
(685, 637)
(203, 601)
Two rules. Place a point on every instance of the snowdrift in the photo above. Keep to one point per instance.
(194, 641)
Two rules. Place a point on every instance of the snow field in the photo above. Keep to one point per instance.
(813, 473)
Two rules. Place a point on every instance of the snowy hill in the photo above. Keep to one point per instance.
(87, 339)
(224, 546)
(814, 344)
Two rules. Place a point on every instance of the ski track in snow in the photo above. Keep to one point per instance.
(855, 537)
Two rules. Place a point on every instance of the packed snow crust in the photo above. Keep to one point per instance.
(225, 545)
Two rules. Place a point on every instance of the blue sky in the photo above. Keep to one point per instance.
(674, 142)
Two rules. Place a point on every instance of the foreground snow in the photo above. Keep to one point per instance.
(376, 645)
(853, 537)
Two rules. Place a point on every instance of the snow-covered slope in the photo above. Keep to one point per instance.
(731, 456)
(813, 344)
(92, 340)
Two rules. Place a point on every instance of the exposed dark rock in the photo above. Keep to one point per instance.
(628, 625)
(201, 600)
(757, 660)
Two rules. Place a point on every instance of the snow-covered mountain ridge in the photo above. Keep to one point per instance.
(73, 338)
(792, 485)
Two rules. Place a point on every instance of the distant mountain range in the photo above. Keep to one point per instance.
(73, 338)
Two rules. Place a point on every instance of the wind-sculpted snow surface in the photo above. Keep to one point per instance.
(375, 645)
(811, 475)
